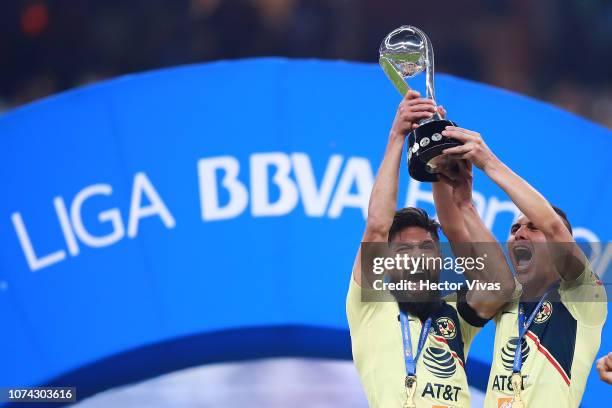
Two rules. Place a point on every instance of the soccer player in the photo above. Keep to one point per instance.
(547, 338)
(411, 351)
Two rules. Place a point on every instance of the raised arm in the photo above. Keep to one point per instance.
(449, 215)
(383, 199)
(469, 237)
(568, 257)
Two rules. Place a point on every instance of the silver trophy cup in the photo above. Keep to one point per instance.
(405, 53)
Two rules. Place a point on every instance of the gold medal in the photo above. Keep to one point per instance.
(410, 390)
(517, 385)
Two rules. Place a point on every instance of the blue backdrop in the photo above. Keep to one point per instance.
(212, 212)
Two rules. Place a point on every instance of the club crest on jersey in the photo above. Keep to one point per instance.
(507, 352)
(447, 328)
(544, 313)
(439, 362)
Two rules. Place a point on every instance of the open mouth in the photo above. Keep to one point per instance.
(415, 275)
(522, 256)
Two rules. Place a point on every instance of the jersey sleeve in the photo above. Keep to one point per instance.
(585, 298)
(358, 311)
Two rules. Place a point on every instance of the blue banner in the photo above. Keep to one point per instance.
(212, 212)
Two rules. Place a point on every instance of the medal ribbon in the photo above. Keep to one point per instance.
(522, 329)
(411, 360)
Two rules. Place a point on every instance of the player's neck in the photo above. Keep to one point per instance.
(422, 310)
(534, 290)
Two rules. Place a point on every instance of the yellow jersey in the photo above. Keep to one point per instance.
(379, 355)
(558, 348)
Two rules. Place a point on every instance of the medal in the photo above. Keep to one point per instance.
(410, 390)
(517, 385)
(409, 358)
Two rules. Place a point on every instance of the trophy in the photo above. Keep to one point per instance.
(404, 53)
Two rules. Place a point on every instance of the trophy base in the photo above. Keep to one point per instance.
(425, 146)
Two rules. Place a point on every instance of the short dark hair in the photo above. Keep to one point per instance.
(563, 216)
(414, 217)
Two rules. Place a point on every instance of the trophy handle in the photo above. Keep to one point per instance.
(429, 73)
(429, 65)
